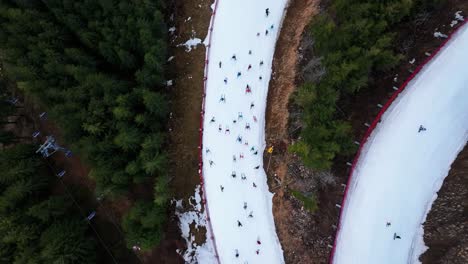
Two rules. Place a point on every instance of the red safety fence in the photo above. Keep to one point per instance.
(376, 121)
(202, 116)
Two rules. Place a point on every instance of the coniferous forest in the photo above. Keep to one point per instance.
(98, 68)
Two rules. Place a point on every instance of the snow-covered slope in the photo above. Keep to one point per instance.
(243, 29)
(400, 169)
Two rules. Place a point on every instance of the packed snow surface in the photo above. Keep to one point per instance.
(239, 201)
(401, 168)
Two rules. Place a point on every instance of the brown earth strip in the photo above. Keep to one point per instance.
(282, 85)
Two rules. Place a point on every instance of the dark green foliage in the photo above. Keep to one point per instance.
(309, 201)
(98, 66)
(354, 39)
(143, 224)
(37, 227)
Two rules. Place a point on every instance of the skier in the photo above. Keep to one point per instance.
(239, 224)
(220, 128)
(246, 143)
(233, 174)
(247, 126)
(212, 120)
(257, 167)
(222, 99)
(251, 214)
(252, 148)
(211, 163)
(245, 205)
(240, 116)
(261, 63)
(241, 156)
(254, 185)
(258, 241)
(239, 74)
(227, 131)
(252, 105)
(260, 78)
(258, 34)
(225, 80)
(234, 57)
(395, 236)
(421, 128)
(243, 177)
(389, 224)
(250, 52)
(234, 121)
(255, 119)
(255, 152)
(249, 67)
(239, 139)
(272, 26)
(222, 188)
(234, 158)
(237, 253)
(220, 64)
(247, 89)
(267, 11)
(266, 32)
(258, 251)
(207, 151)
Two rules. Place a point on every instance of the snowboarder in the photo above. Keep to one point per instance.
(239, 74)
(257, 167)
(421, 128)
(239, 139)
(220, 64)
(254, 185)
(389, 224)
(233, 174)
(239, 224)
(222, 188)
(225, 80)
(251, 214)
(267, 11)
(252, 105)
(261, 63)
(245, 205)
(247, 126)
(222, 99)
(249, 67)
(211, 163)
(247, 89)
(212, 120)
(234, 57)
(395, 236)
(220, 128)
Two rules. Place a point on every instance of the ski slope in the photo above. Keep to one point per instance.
(240, 207)
(396, 178)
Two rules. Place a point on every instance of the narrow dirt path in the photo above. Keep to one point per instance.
(282, 85)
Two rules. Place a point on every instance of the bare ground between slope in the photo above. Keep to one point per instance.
(282, 85)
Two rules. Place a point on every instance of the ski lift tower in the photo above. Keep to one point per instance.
(49, 147)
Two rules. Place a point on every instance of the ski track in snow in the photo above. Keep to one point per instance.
(235, 32)
(400, 170)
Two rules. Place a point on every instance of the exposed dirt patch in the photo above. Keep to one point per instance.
(306, 237)
(282, 86)
(446, 226)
